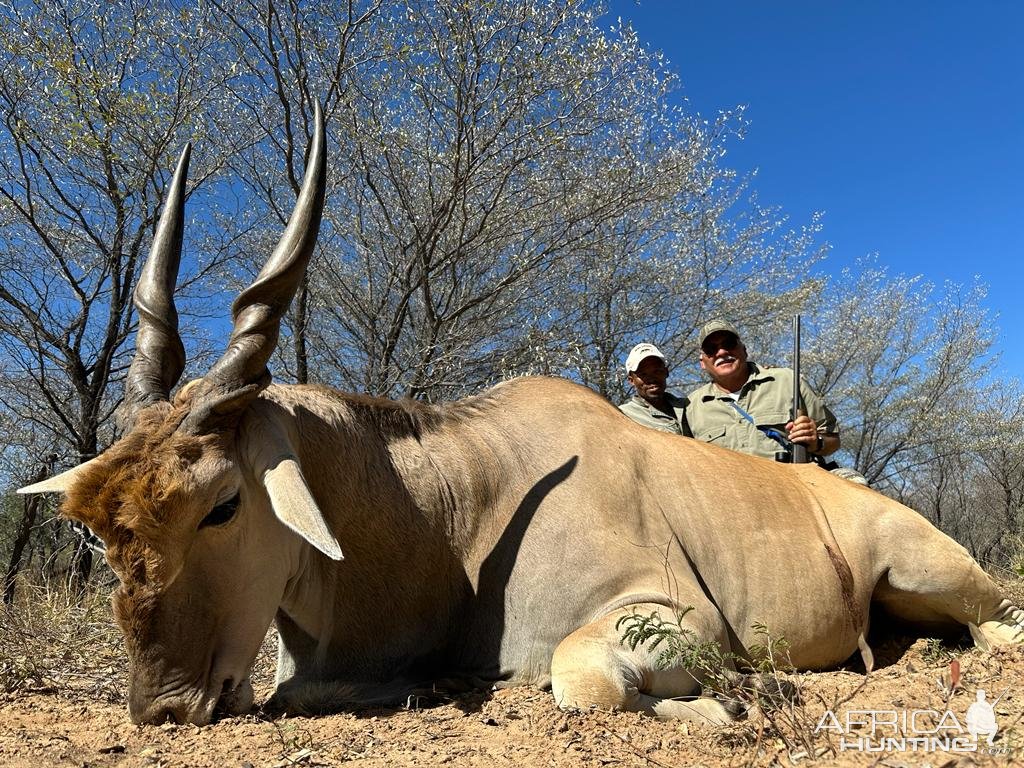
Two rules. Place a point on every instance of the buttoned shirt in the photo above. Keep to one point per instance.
(642, 412)
(767, 396)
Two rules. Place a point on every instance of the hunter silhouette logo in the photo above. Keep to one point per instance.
(981, 717)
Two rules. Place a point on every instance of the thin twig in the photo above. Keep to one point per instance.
(640, 754)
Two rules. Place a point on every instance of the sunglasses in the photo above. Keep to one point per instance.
(727, 343)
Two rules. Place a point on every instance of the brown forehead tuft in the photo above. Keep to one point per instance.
(115, 495)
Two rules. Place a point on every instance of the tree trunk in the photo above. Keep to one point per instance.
(30, 512)
(301, 358)
(28, 519)
(81, 565)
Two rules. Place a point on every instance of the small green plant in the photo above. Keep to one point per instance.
(937, 652)
(706, 659)
(765, 687)
(771, 655)
(678, 645)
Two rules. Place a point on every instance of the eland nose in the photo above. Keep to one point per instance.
(144, 711)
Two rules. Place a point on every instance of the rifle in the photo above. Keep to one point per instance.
(799, 452)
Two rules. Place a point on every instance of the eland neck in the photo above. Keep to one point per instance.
(395, 482)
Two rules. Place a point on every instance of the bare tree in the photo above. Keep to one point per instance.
(503, 158)
(998, 473)
(902, 362)
(703, 251)
(537, 203)
(31, 507)
(285, 57)
(97, 99)
(498, 140)
(976, 492)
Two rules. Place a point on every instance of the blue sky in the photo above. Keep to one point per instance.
(903, 121)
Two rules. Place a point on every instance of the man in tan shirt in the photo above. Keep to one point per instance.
(653, 405)
(748, 408)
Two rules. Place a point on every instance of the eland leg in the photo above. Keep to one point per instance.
(592, 667)
(934, 582)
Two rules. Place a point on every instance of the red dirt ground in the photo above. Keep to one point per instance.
(522, 727)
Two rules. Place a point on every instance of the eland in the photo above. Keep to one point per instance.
(498, 538)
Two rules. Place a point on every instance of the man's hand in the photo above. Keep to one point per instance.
(803, 431)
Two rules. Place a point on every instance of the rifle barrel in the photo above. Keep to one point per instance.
(799, 451)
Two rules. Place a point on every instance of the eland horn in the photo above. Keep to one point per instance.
(241, 372)
(159, 354)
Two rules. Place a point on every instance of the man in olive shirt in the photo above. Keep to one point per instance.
(748, 408)
(652, 405)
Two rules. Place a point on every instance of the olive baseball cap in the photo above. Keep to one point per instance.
(716, 326)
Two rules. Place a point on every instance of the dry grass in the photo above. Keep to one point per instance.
(1011, 585)
(264, 669)
(54, 639)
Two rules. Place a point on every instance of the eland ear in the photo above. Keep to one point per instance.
(295, 506)
(58, 483)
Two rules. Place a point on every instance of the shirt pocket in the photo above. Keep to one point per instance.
(713, 435)
(772, 418)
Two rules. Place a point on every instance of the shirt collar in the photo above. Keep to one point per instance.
(675, 402)
(755, 375)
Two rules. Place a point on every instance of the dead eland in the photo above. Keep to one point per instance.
(498, 538)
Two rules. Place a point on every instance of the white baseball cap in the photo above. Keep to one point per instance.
(638, 353)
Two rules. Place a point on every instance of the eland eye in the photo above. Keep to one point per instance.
(221, 513)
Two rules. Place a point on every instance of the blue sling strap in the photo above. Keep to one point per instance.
(773, 434)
